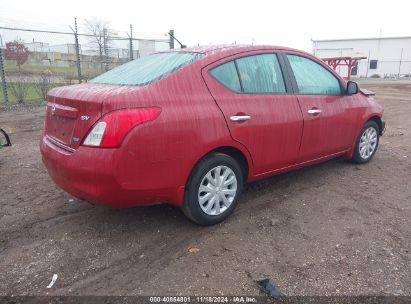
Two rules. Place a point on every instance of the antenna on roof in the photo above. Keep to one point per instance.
(171, 34)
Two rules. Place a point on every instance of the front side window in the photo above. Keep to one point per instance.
(312, 78)
(146, 69)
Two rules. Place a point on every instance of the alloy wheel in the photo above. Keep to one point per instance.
(368, 142)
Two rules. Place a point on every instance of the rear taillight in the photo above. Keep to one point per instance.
(111, 129)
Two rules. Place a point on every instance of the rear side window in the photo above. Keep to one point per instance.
(146, 69)
(312, 78)
(227, 75)
(260, 74)
(251, 74)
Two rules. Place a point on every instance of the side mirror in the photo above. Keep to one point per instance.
(352, 88)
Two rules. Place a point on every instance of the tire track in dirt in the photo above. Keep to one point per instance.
(133, 270)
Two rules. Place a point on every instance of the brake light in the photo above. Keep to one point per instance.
(110, 131)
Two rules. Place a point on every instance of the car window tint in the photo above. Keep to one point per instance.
(146, 69)
(227, 75)
(260, 74)
(312, 78)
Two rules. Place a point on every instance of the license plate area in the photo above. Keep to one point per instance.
(61, 122)
(61, 128)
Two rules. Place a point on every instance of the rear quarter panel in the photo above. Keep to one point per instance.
(160, 154)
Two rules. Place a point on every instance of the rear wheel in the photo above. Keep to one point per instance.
(213, 189)
(367, 143)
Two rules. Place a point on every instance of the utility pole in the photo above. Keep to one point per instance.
(131, 42)
(77, 51)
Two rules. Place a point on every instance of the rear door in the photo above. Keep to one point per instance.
(259, 108)
(328, 113)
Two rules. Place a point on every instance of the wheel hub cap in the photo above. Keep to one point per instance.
(217, 190)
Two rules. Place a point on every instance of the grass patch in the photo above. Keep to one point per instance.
(32, 94)
(64, 76)
(55, 70)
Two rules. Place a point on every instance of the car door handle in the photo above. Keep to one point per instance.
(240, 118)
(314, 111)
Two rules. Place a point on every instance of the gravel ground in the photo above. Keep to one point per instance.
(330, 229)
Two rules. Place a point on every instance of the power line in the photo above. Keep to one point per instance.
(84, 35)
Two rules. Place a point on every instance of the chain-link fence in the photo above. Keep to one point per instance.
(33, 61)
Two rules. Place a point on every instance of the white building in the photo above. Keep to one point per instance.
(37, 46)
(66, 48)
(386, 57)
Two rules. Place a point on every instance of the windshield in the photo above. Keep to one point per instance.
(146, 69)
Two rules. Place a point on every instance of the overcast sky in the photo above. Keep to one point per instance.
(289, 22)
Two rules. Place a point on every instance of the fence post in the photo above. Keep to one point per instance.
(3, 78)
(368, 63)
(171, 37)
(399, 65)
(77, 51)
(131, 42)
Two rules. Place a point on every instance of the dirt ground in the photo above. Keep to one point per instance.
(331, 229)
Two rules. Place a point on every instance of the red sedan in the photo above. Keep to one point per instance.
(189, 127)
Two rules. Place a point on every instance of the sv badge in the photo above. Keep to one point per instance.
(84, 117)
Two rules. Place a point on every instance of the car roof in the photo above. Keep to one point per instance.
(234, 48)
(216, 52)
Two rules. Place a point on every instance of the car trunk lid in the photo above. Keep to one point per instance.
(72, 111)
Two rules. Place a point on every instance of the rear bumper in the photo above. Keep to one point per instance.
(91, 174)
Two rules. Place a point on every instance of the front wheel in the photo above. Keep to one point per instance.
(367, 143)
(213, 189)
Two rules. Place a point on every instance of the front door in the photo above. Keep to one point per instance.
(328, 113)
(260, 112)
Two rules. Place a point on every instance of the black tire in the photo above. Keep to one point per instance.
(357, 158)
(191, 206)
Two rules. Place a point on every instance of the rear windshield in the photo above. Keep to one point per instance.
(146, 69)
